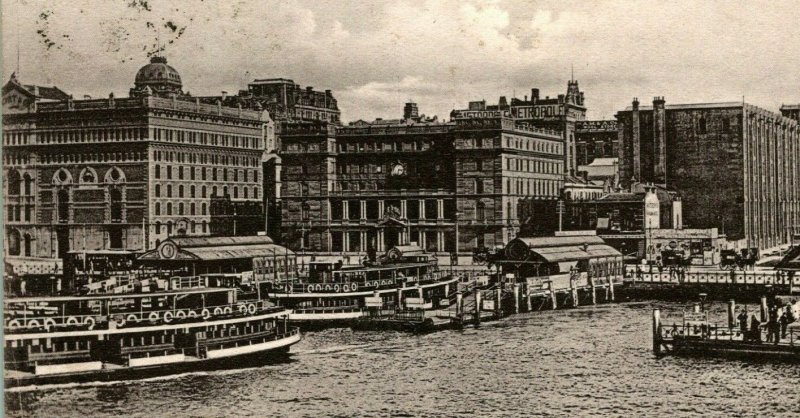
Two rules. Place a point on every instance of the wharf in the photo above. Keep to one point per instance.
(725, 284)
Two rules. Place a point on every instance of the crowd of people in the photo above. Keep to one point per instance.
(778, 319)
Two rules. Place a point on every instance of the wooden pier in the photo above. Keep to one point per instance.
(720, 283)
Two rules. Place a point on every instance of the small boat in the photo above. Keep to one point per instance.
(55, 339)
(332, 295)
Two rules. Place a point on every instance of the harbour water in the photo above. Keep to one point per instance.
(590, 361)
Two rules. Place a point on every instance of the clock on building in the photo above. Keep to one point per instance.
(398, 170)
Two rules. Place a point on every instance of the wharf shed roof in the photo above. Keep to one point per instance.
(560, 249)
(215, 249)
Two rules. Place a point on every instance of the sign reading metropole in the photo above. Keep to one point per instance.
(516, 112)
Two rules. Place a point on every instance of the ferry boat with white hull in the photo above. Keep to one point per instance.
(102, 337)
(332, 295)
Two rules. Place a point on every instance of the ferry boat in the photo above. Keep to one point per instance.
(160, 317)
(333, 295)
(102, 337)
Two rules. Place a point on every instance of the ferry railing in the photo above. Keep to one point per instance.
(724, 333)
(141, 317)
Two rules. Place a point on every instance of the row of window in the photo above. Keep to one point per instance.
(533, 166)
(93, 157)
(533, 187)
(63, 136)
(16, 159)
(206, 138)
(226, 173)
(180, 209)
(203, 191)
(536, 145)
(16, 212)
(193, 227)
(205, 158)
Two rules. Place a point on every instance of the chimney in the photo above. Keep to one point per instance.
(224, 95)
(636, 140)
(659, 141)
(534, 94)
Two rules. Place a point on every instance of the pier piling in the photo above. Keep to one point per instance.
(764, 311)
(459, 304)
(477, 306)
(498, 298)
(516, 298)
(594, 291)
(553, 297)
(731, 313)
(656, 331)
(527, 297)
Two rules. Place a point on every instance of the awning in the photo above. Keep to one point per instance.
(34, 265)
(791, 261)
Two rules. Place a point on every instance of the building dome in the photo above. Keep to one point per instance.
(159, 76)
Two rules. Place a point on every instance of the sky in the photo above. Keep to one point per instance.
(377, 55)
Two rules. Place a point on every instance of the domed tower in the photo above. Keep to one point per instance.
(160, 78)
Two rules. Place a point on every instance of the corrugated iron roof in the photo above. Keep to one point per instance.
(194, 242)
(559, 254)
(239, 251)
(539, 242)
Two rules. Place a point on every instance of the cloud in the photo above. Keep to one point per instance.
(377, 55)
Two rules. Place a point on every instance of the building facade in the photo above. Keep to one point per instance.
(595, 139)
(733, 164)
(370, 186)
(85, 175)
(560, 113)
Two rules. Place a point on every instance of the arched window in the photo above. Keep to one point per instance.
(225, 191)
(27, 245)
(510, 211)
(13, 183)
(158, 229)
(63, 205)
(13, 242)
(204, 212)
(180, 208)
(191, 191)
(180, 191)
(214, 191)
(157, 171)
(28, 185)
(158, 190)
(169, 190)
(116, 205)
(479, 186)
(255, 192)
(203, 192)
(244, 192)
(169, 208)
(158, 209)
(235, 192)
(169, 228)
(191, 211)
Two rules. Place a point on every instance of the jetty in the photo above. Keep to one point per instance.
(697, 336)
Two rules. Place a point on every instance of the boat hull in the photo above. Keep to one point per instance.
(271, 352)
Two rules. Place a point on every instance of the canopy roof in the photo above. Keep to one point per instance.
(791, 261)
(215, 248)
(559, 249)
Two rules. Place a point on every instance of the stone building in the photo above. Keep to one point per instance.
(560, 113)
(369, 186)
(123, 173)
(734, 165)
(595, 139)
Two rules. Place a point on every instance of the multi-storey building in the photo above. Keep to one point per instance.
(113, 173)
(284, 100)
(734, 165)
(370, 186)
(560, 113)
